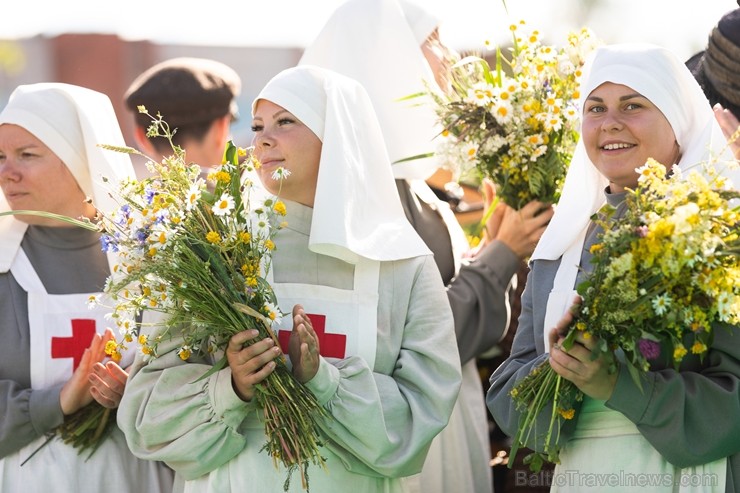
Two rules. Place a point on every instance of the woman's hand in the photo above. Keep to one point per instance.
(519, 230)
(250, 365)
(591, 376)
(75, 393)
(729, 125)
(303, 346)
(107, 382)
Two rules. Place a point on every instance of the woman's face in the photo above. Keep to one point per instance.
(282, 140)
(32, 177)
(621, 130)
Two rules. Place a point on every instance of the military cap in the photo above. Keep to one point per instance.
(185, 91)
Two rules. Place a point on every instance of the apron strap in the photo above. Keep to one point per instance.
(11, 232)
(25, 275)
(563, 287)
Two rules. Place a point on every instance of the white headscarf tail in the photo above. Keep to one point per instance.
(378, 43)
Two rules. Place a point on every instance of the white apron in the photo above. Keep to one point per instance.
(346, 323)
(607, 452)
(61, 329)
(459, 457)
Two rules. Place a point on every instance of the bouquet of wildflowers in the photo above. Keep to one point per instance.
(516, 123)
(199, 255)
(666, 274)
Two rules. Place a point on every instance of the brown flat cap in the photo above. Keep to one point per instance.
(185, 91)
(717, 69)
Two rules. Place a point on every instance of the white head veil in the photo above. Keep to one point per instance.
(378, 43)
(71, 121)
(357, 211)
(661, 77)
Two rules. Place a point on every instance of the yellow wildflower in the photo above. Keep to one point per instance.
(679, 352)
(567, 413)
(184, 353)
(111, 347)
(698, 348)
(213, 237)
(280, 208)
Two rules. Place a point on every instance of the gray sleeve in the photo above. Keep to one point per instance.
(690, 417)
(26, 415)
(523, 358)
(383, 424)
(479, 296)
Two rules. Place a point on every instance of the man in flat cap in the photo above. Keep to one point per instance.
(196, 96)
(717, 70)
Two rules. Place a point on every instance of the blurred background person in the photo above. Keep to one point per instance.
(195, 96)
(50, 162)
(392, 47)
(717, 70)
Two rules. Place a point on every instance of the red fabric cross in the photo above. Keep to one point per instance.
(74, 347)
(330, 345)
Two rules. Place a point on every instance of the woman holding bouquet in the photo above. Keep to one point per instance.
(49, 162)
(400, 49)
(682, 429)
(371, 334)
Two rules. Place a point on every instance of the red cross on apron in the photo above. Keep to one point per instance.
(344, 319)
(332, 345)
(61, 325)
(74, 347)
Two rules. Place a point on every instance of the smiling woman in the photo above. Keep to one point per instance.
(640, 101)
(621, 129)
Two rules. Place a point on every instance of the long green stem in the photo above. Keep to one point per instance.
(50, 215)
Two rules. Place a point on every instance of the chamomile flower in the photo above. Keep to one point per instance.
(224, 205)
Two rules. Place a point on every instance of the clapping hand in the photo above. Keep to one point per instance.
(107, 382)
(303, 346)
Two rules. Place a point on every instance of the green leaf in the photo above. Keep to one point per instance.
(413, 158)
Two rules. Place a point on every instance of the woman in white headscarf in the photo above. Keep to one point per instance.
(50, 162)
(682, 432)
(392, 47)
(381, 356)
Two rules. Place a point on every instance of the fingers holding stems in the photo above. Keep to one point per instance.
(575, 362)
(252, 363)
